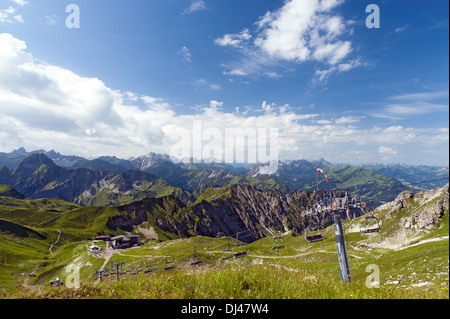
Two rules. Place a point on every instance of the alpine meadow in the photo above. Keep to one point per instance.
(224, 158)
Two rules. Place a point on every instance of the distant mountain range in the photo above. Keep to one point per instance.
(414, 174)
(111, 181)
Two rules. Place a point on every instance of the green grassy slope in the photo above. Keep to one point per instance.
(412, 264)
(301, 270)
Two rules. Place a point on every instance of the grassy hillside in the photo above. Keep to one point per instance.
(301, 270)
(412, 262)
(111, 196)
(9, 191)
(31, 230)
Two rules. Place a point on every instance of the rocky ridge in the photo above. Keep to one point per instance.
(425, 209)
(239, 211)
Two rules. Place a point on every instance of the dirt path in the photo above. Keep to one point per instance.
(27, 278)
(57, 240)
(280, 257)
(423, 242)
(105, 254)
(142, 256)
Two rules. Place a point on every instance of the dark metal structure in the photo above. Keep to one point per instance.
(240, 249)
(334, 202)
(227, 253)
(196, 259)
(169, 264)
(278, 242)
(313, 233)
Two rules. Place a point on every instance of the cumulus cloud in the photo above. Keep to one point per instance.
(298, 32)
(9, 16)
(303, 30)
(46, 106)
(234, 40)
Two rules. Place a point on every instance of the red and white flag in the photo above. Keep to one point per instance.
(321, 171)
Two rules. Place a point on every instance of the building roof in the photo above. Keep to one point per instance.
(118, 237)
(125, 237)
(102, 237)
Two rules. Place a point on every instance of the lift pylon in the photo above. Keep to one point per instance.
(333, 202)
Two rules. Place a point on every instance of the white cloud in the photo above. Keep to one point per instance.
(9, 16)
(196, 5)
(215, 87)
(322, 75)
(413, 104)
(186, 54)
(238, 72)
(18, 18)
(51, 20)
(274, 75)
(422, 96)
(322, 121)
(234, 40)
(300, 31)
(20, 2)
(46, 106)
(155, 104)
(386, 150)
(401, 29)
(347, 120)
(408, 109)
(203, 83)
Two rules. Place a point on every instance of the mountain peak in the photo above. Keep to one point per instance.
(153, 159)
(38, 158)
(31, 164)
(34, 172)
(20, 151)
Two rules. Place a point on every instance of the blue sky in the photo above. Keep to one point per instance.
(135, 71)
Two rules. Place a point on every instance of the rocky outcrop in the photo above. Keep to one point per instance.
(243, 212)
(248, 213)
(409, 218)
(69, 185)
(399, 202)
(428, 208)
(421, 211)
